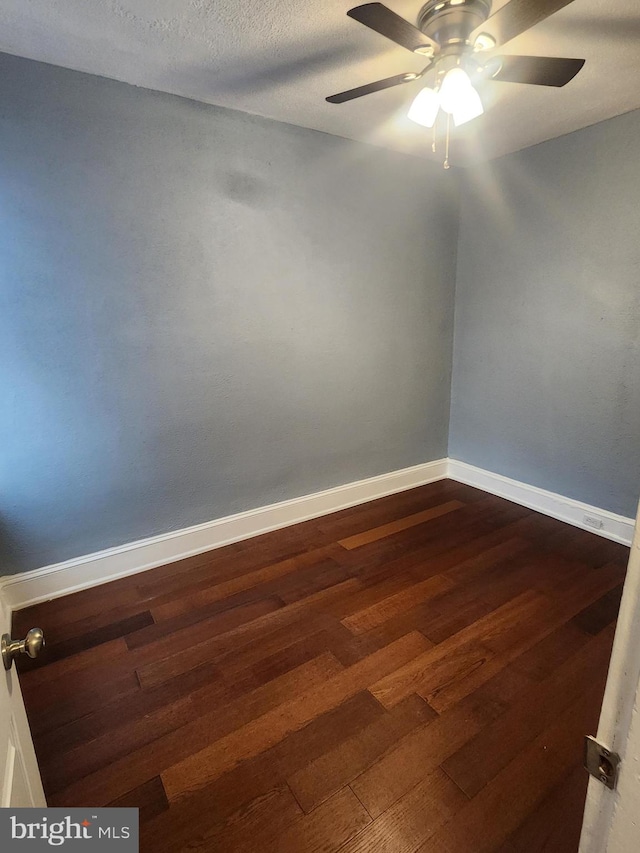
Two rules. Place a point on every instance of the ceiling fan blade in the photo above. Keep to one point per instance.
(517, 16)
(377, 17)
(349, 95)
(537, 70)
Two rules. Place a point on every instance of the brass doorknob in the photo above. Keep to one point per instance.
(31, 646)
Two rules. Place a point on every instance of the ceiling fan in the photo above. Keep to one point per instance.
(458, 37)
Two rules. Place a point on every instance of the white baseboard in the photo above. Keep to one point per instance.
(27, 588)
(615, 527)
(53, 581)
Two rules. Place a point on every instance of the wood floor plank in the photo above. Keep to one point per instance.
(78, 703)
(55, 651)
(597, 616)
(172, 655)
(299, 585)
(510, 641)
(376, 589)
(337, 767)
(506, 571)
(412, 819)
(177, 603)
(149, 798)
(359, 519)
(393, 605)
(59, 630)
(176, 653)
(262, 818)
(485, 755)
(435, 538)
(256, 778)
(122, 710)
(542, 658)
(401, 524)
(523, 784)
(34, 680)
(261, 733)
(224, 564)
(207, 725)
(166, 663)
(350, 648)
(325, 830)
(150, 723)
(555, 826)
(77, 606)
(284, 688)
(198, 625)
(225, 680)
(483, 559)
(428, 674)
(426, 748)
(115, 743)
(418, 563)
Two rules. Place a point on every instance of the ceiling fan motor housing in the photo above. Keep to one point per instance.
(451, 22)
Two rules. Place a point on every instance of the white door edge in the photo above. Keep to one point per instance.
(605, 810)
(19, 773)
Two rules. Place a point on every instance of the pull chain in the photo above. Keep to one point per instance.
(433, 143)
(446, 163)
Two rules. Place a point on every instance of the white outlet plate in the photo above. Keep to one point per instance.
(593, 521)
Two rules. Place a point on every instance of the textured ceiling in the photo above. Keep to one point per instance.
(280, 58)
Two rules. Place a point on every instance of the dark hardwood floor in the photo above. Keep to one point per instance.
(414, 674)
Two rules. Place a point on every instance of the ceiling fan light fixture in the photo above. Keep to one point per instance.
(424, 108)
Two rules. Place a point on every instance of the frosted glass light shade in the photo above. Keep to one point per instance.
(424, 108)
(459, 98)
(455, 86)
(469, 108)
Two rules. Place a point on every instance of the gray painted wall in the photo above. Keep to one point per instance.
(202, 312)
(546, 379)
